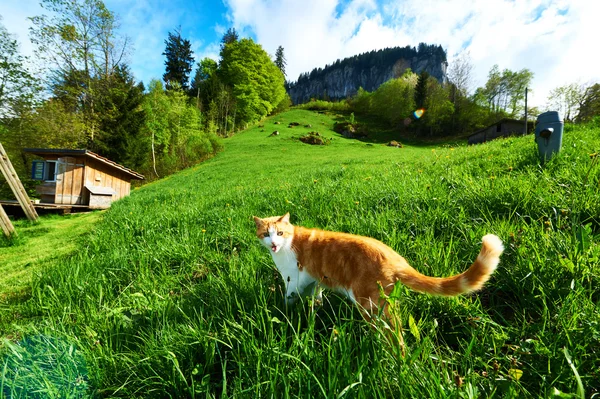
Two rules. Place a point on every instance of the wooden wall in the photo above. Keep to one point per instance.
(101, 175)
(74, 173)
(69, 181)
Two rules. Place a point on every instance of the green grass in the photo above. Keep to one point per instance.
(38, 244)
(172, 296)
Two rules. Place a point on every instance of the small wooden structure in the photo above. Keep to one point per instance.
(503, 128)
(80, 177)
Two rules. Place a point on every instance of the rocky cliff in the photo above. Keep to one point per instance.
(367, 70)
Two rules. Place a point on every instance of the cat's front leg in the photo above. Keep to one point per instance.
(292, 291)
(318, 292)
(295, 287)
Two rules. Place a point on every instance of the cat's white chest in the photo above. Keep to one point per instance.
(286, 262)
(296, 280)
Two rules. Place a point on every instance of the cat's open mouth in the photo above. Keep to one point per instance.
(274, 248)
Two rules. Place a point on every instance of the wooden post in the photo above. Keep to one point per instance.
(17, 187)
(5, 224)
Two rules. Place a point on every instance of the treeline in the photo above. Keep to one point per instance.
(87, 97)
(421, 105)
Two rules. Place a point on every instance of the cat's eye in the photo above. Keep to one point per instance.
(265, 235)
(280, 233)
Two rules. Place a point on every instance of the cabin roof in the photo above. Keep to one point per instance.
(86, 153)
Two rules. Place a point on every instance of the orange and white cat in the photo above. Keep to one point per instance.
(356, 266)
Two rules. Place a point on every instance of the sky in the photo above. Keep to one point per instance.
(556, 39)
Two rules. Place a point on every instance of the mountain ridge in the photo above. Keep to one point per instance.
(367, 70)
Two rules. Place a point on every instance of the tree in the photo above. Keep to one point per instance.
(17, 85)
(179, 60)
(460, 77)
(231, 36)
(205, 82)
(156, 107)
(439, 108)
(257, 84)
(78, 41)
(589, 108)
(505, 91)
(566, 100)
(280, 61)
(460, 74)
(421, 90)
(394, 101)
(121, 119)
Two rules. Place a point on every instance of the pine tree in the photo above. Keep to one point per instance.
(280, 61)
(179, 60)
(421, 90)
(231, 36)
(121, 119)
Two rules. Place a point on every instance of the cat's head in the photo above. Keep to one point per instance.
(275, 232)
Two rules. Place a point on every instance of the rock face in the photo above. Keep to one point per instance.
(369, 71)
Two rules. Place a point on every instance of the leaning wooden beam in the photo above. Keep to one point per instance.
(15, 184)
(5, 224)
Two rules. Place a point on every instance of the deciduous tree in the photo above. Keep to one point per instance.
(79, 43)
(589, 108)
(18, 87)
(257, 84)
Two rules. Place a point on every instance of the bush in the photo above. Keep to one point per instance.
(315, 138)
(322, 105)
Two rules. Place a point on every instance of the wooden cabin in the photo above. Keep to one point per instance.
(80, 177)
(503, 128)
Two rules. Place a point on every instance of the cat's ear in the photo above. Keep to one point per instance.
(258, 221)
(285, 218)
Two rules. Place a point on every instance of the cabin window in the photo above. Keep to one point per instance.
(43, 170)
(50, 171)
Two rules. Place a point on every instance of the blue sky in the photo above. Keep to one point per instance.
(554, 38)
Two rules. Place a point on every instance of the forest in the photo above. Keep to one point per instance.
(86, 96)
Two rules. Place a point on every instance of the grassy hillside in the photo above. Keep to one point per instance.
(172, 296)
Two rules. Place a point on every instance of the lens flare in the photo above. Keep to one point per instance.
(419, 113)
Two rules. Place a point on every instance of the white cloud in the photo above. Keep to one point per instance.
(553, 38)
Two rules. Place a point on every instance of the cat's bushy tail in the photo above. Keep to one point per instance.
(471, 280)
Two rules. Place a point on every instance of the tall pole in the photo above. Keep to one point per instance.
(525, 129)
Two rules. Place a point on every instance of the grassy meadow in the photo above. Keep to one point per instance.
(172, 296)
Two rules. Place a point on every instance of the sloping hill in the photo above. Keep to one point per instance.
(174, 297)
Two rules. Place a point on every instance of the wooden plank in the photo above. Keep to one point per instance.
(68, 197)
(68, 180)
(77, 184)
(61, 168)
(5, 224)
(16, 186)
(117, 187)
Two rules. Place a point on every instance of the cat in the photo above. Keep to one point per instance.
(357, 266)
